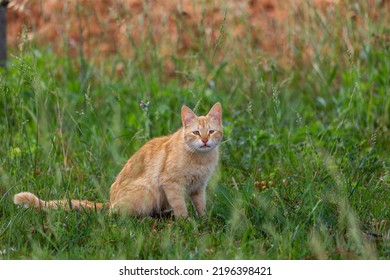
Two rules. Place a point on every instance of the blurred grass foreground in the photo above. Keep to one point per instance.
(304, 169)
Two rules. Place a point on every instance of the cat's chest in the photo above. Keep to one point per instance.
(198, 177)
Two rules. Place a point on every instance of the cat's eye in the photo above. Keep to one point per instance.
(211, 131)
(196, 132)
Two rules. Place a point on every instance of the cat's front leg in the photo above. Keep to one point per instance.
(198, 199)
(175, 195)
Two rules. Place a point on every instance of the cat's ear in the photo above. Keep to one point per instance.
(187, 116)
(216, 112)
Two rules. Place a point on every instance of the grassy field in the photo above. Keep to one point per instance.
(304, 169)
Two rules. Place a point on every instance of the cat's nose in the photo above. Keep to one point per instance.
(204, 140)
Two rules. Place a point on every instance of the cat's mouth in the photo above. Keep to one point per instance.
(204, 146)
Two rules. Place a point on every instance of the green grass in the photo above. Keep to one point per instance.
(318, 134)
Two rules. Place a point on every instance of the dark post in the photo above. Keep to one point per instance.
(3, 32)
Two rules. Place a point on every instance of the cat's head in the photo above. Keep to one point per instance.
(202, 133)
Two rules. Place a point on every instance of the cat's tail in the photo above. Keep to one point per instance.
(28, 199)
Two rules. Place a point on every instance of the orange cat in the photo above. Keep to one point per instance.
(160, 174)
